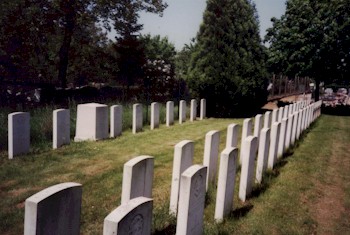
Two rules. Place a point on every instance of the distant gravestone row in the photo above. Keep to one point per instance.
(92, 123)
(56, 210)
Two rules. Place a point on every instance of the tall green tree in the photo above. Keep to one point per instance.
(227, 65)
(159, 81)
(312, 39)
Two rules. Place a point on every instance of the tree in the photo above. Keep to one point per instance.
(159, 81)
(39, 39)
(130, 52)
(312, 39)
(227, 65)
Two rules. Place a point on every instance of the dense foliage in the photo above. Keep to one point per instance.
(312, 38)
(60, 40)
(227, 64)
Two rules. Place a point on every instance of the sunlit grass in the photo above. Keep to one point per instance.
(283, 204)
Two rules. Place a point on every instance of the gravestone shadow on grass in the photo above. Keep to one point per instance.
(269, 175)
(241, 211)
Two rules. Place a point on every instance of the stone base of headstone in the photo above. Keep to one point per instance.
(92, 122)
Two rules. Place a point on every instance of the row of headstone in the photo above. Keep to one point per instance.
(92, 123)
(56, 210)
(282, 127)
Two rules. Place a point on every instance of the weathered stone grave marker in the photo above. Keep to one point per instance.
(275, 133)
(246, 131)
(182, 111)
(263, 154)
(267, 119)
(257, 126)
(116, 120)
(137, 118)
(203, 109)
(193, 114)
(92, 122)
(226, 183)
(169, 113)
(191, 201)
(137, 178)
(61, 128)
(232, 135)
(183, 158)
(54, 210)
(211, 154)
(18, 133)
(154, 115)
(247, 169)
(132, 218)
(282, 136)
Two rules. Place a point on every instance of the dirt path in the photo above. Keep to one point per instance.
(273, 104)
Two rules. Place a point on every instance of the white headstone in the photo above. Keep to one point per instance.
(267, 119)
(300, 119)
(92, 122)
(246, 131)
(275, 133)
(211, 155)
(280, 114)
(137, 178)
(282, 137)
(169, 113)
(285, 111)
(116, 120)
(183, 159)
(18, 133)
(308, 117)
(134, 217)
(154, 115)
(226, 183)
(203, 111)
(257, 125)
(61, 128)
(193, 114)
(263, 153)
(137, 118)
(232, 136)
(182, 111)
(247, 169)
(290, 109)
(294, 128)
(192, 199)
(274, 116)
(54, 210)
(288, 136)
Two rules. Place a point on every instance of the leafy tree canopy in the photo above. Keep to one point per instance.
(227, 64)
(312, 38)
(51, 40)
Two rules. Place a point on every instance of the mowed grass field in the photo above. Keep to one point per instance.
(307, 193)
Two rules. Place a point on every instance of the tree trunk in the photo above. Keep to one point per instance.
(69, 10)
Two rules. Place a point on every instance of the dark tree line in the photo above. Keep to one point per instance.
(65, 41)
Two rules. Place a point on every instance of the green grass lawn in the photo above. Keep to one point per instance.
(312, 179)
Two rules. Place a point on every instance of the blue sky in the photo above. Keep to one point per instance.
(182, 18)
